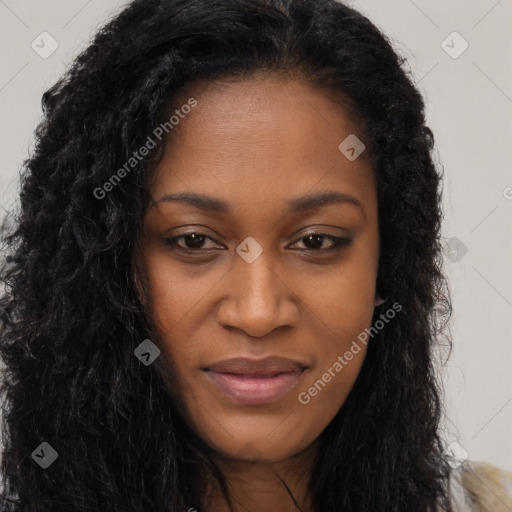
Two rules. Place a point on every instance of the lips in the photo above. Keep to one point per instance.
(266, 367)
(254, 382)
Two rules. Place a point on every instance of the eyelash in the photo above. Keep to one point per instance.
(337, 243)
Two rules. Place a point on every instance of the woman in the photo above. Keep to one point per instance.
(225, 283)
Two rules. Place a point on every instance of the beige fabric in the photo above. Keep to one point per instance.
(481, 487)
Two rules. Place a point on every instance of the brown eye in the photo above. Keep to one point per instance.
(315, 241)
(189, 242)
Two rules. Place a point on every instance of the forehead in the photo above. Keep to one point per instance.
(258, 109)
(268, 136)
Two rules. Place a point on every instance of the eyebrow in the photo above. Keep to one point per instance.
(297, 205)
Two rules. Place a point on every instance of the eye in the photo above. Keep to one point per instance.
(195, 242)
(315, 242)
(190, 242)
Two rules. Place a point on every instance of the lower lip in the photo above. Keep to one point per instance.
(251, 390)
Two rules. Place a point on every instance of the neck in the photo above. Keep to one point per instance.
(256, 485)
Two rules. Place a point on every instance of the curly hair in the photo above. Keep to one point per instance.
(71, 316)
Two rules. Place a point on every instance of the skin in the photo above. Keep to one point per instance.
(258, 143)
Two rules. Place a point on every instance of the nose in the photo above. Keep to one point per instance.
(258, 299)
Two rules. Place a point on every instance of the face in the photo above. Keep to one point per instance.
(261, 241)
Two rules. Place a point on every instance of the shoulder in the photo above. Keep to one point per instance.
(481, 487)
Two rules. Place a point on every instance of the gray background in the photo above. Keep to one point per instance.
(469, 102)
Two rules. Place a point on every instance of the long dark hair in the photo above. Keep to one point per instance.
(70, 313)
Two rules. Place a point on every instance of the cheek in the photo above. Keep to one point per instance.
(175, 293)
(327, 388)
(340, 308)
(338, 363)
(339, 348)
(340, 301)
(345, 308)
(175, 310)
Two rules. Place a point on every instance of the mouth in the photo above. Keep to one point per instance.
(254, 388)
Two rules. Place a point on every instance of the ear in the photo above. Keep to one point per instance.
(138, 286)
(138, 289)
(378, 300)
